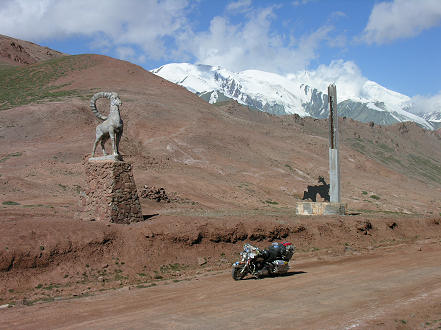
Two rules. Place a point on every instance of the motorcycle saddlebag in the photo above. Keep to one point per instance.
(280, 266)
(276, 251)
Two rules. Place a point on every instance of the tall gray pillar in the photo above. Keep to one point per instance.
(334, 164)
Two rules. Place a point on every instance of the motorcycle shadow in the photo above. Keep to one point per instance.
(275, 276)
(292, 273)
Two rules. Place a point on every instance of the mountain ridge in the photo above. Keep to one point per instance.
(295, 94)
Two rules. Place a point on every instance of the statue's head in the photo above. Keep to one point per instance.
(115, 100)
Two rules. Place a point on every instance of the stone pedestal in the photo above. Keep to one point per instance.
(320, 208)
(111, 195)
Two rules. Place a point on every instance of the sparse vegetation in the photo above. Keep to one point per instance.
(35, 83)
(10, 203)
(51, 286)
(8, 156)
(119, 277)
(33, 205)
(375, 197)
(357, 144)
(384, 151)
(385, 147)
(77, 188)
(172, 268)
(62, 186)
(425, 167)
(143, 286)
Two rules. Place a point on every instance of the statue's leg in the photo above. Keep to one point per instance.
(118, 139)
(94, 146)
(112, 137)
(103, 141)
(98, 136)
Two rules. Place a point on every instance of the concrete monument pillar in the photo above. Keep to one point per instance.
(334, 206)
(334, 162)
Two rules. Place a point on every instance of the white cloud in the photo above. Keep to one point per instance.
(401, 19)
(253, 44)
(240, 5)
(120, 23)
(345, 74)
(140, 29)
(301, 2)
(125, 53)
(426, 103)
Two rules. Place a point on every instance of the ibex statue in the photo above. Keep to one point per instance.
(112, 126)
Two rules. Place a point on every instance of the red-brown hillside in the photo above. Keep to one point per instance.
(19, 52)
(233, 174)
(215, 156)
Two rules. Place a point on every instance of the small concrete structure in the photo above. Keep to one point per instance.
(111, 195)
(320, 208)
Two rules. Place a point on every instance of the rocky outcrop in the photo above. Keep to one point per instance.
(19, 52)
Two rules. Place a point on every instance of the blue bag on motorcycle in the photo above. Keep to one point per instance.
(276, 251)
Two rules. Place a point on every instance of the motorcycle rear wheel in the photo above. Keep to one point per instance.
(239, 273)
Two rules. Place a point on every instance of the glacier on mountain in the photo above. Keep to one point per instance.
(434, 118)
(303, 93)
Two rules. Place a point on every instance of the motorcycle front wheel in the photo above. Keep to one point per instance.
(239, 272)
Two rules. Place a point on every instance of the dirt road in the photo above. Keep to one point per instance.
(396, 287)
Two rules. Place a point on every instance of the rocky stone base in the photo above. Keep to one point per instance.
(320, 208)
(111, 195)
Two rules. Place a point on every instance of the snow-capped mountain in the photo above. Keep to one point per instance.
(434, 118)
(294, 94)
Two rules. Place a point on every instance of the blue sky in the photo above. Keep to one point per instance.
(396, 43)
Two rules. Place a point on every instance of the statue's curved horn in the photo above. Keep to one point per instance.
(93, 100)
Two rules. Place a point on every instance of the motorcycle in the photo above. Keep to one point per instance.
(258, 262)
